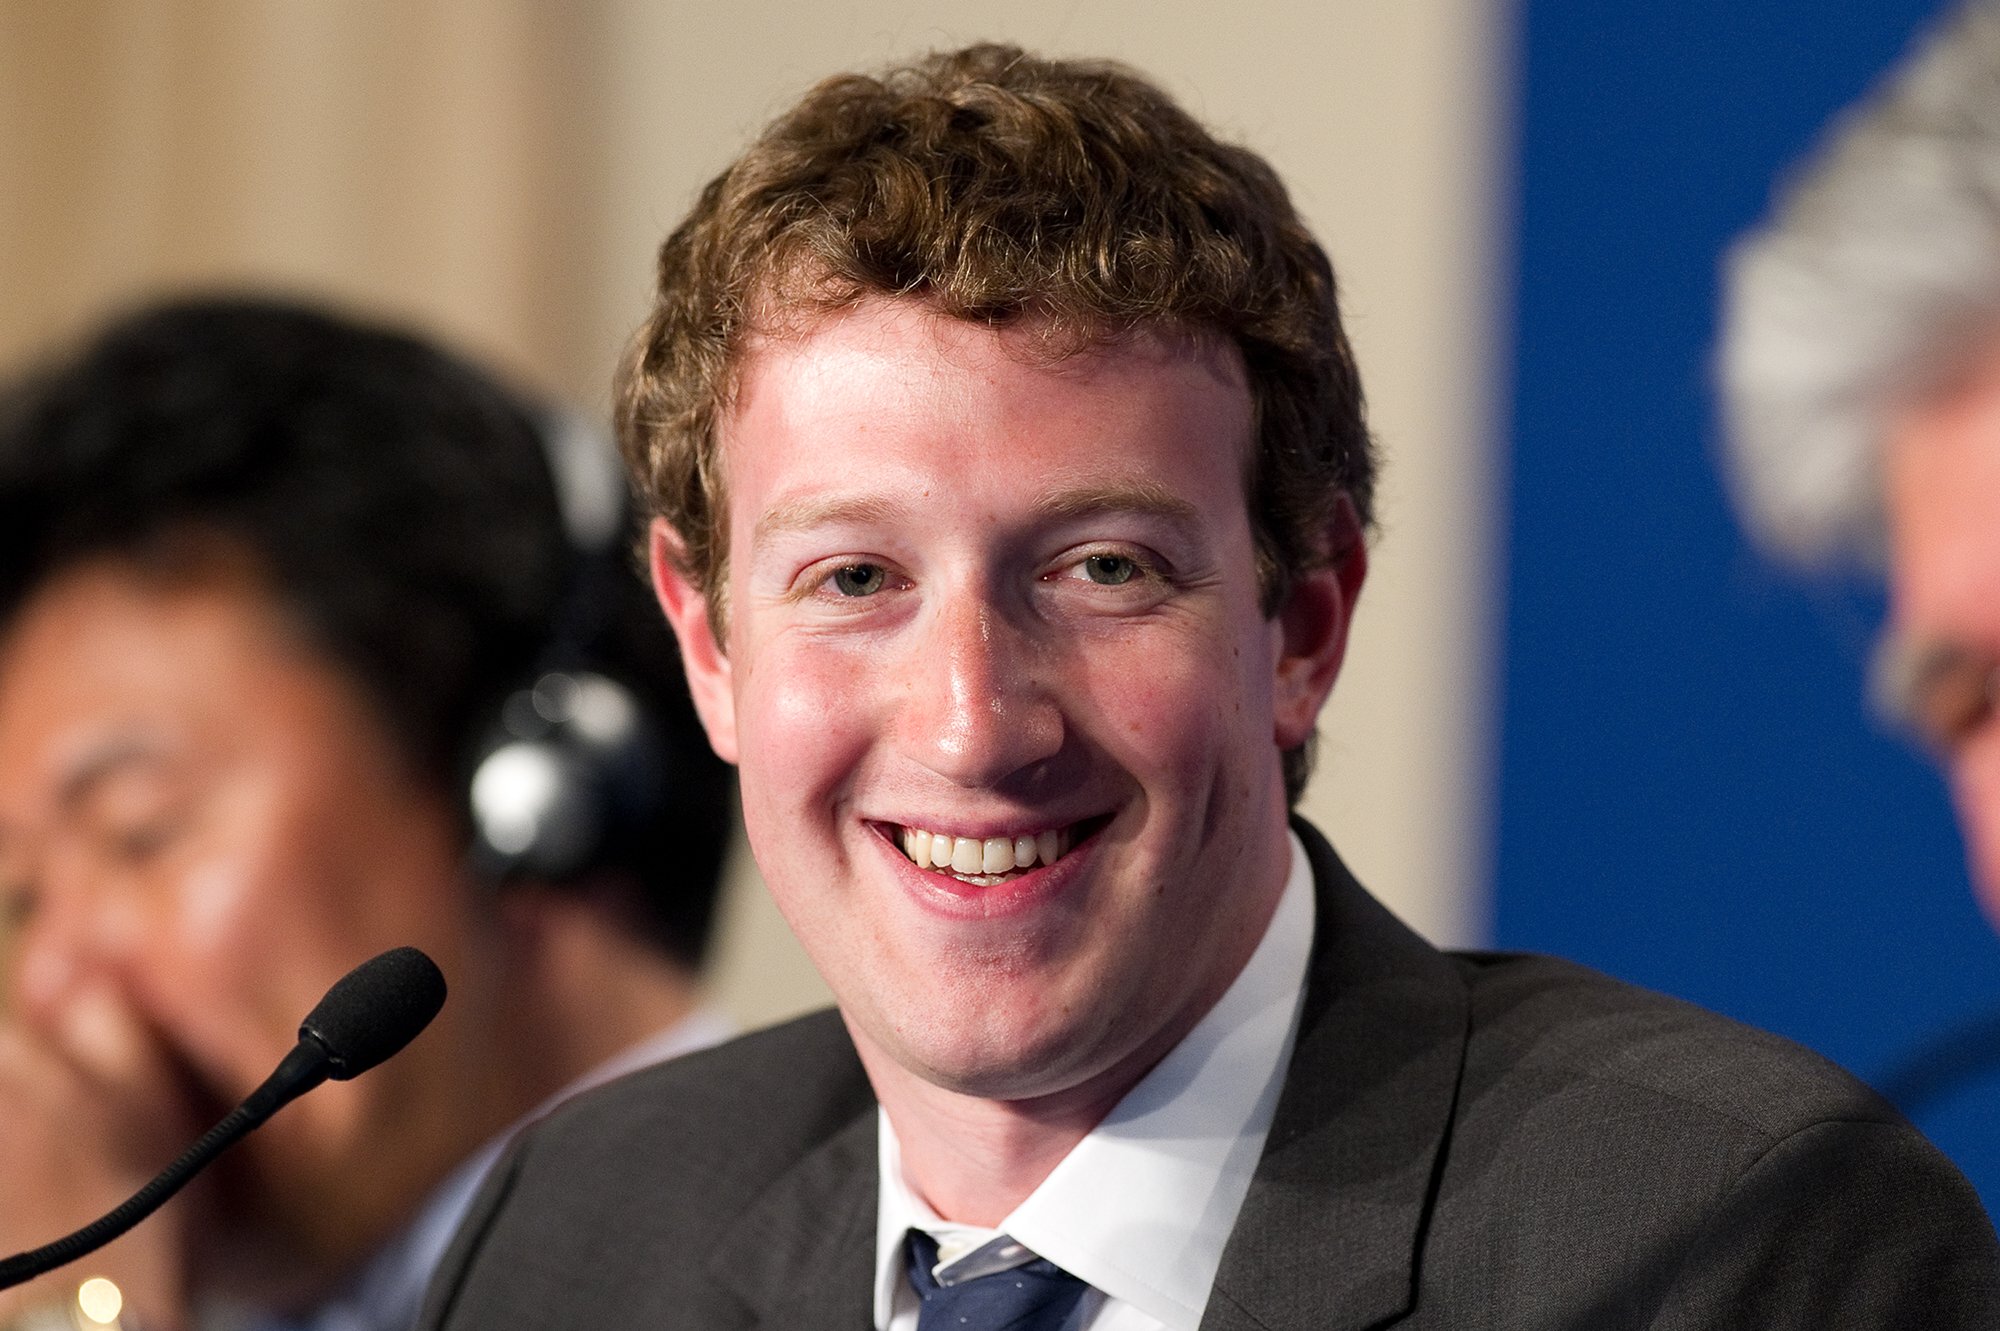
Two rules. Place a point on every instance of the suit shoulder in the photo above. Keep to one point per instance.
(1650, 1163)
(1553, 1022)
(772, 1092)
(607, 1210)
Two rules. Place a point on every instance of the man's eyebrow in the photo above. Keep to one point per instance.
(806, 513)
(101, 762)
(1144, 497)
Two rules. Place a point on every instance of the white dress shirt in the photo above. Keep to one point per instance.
(1140, 1208)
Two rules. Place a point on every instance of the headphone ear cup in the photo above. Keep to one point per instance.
(571, 765)
(534, 810)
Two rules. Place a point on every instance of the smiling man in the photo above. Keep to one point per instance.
(1012, 486)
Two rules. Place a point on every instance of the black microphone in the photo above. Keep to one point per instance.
(370, 1013)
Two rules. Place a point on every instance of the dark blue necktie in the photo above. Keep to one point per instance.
(1035, 1296)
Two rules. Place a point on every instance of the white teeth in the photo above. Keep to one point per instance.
(983, 860)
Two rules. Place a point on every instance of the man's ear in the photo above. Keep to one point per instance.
(706, 662)
(1312, 629)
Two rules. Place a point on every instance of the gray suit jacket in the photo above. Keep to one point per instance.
(1463, 1141)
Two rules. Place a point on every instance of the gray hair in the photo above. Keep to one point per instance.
(1868, 290)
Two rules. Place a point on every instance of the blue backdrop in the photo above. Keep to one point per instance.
(1691, 795)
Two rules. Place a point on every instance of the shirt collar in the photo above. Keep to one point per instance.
(1142, 1207)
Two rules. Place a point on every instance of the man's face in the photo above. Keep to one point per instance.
(202, 825)
(983, 605)
(1942, 486)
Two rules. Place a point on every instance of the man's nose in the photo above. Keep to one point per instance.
(979, 710)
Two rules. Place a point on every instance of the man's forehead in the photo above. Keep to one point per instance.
(801, 378)
(857, 419)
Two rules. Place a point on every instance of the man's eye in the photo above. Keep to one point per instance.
(133, 842)
(1110, 570)
(135, 845)
(859, 579)
(1941, 692)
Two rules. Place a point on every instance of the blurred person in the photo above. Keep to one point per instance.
(1860, 374)
(1013, 484)
(288, 603)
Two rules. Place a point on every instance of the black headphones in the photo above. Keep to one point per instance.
(573, 763)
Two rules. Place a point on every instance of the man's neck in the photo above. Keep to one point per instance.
(583, 988)
(974, 1160)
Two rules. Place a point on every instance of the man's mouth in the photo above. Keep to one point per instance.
(989, 861)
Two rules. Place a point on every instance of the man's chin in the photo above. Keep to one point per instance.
(1014, 1081)
(1011, 1064)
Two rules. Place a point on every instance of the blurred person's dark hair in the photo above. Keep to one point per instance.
(397, 502)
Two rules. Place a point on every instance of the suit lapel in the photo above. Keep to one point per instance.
(1328, 1236)
(802, 1255)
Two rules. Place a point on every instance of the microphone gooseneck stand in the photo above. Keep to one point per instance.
(368, 1015)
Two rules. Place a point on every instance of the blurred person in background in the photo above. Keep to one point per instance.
(1860, 369)
(314, 641)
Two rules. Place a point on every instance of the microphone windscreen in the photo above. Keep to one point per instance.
(374, 1010)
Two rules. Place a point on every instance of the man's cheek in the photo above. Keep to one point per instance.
(1169, 703)
(802, 722)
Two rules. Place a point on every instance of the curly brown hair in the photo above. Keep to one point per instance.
(1000, 187)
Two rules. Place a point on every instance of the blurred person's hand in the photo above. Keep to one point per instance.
(91, 1110)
